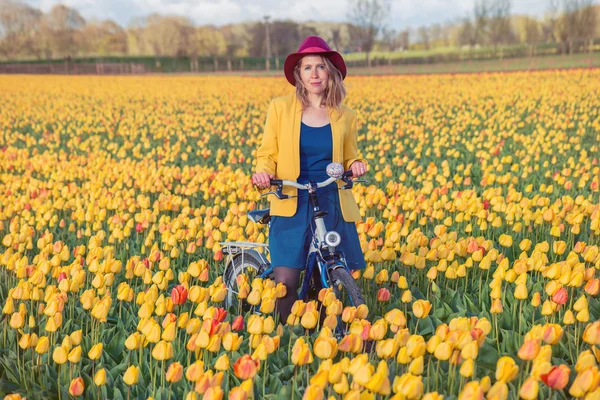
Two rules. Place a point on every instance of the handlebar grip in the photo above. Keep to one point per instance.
(276, 182)
(347, 174)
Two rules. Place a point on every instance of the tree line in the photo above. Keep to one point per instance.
(28, 33)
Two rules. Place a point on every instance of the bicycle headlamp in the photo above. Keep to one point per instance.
(332, 238)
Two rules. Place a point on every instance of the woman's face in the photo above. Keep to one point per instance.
(314, 74)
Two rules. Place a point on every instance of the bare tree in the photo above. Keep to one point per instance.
(467, 34)
(480, 23)
(550, 22)
(166, 35)
(577, 23)
(234, 42)
(405, 39)
(424, 36)
(588, 22)
(389, 39)
(103, 38)
(336, 38)
(499, 28)
(435, 35)
(368, 17)
(19, 24)
(58, 30)
(531, 33)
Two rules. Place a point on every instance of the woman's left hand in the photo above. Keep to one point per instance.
(358, 168)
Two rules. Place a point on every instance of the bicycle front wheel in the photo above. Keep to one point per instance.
(345, 287)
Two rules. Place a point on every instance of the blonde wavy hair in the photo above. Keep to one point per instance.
(335, 92)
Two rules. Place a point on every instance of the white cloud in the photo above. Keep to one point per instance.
(403, 13)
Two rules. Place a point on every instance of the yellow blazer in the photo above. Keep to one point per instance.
(279, 153)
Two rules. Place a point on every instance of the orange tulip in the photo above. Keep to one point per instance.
(529, 350)
(560, 296)
(383, 295)
(76, 387)
(245, 367)
(174, 372)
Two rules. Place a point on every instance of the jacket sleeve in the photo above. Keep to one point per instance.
(268, 152)
(351, 146)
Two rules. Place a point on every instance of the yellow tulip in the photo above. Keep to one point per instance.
(100, 377)
(60, 355)
(131, 375)
(95, 352)
(421, 308)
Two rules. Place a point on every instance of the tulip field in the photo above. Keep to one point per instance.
(480, 227)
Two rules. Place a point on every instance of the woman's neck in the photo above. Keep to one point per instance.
(316, 100)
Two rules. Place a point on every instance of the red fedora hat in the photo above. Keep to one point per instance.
(312, 45)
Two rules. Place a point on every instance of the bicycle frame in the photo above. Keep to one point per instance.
(332, 260)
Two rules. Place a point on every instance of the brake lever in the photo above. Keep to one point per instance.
(277, 194)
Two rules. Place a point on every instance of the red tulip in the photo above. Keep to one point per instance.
(138, 227)
(238, 323)
(179, 294)
(62, 276)
(557, 378)
(221, 314)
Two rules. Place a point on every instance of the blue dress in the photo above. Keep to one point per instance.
(290, 237)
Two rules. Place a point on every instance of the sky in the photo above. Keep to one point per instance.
(404, 13)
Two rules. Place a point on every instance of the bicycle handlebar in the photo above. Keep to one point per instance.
(302, 186)
(307, 186)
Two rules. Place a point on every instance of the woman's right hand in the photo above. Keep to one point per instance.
(262, 179)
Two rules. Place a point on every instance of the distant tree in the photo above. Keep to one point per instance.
(579, 21)
(532, 31)
(467, 34)
(58, 29)
(390, 39)
(257, 47)
(209, 41)
(435, 35)
(550, 22)
(424, 36)
(499, 26)
(446, 33)
(235, 40)
(103, 38)
(480, 21)
(336, 38)
(19, 25)
(405, 39)
(287, 37)
(303, 32)
(588, 22)
(368, 16)
(166, 35)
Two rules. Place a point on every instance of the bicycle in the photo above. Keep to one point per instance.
(245, 257)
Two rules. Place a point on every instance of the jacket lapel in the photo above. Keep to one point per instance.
(297, 117)
(336, 130)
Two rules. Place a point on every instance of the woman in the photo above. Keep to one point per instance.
(303, 134)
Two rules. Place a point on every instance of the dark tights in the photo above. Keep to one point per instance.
(290, 277)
